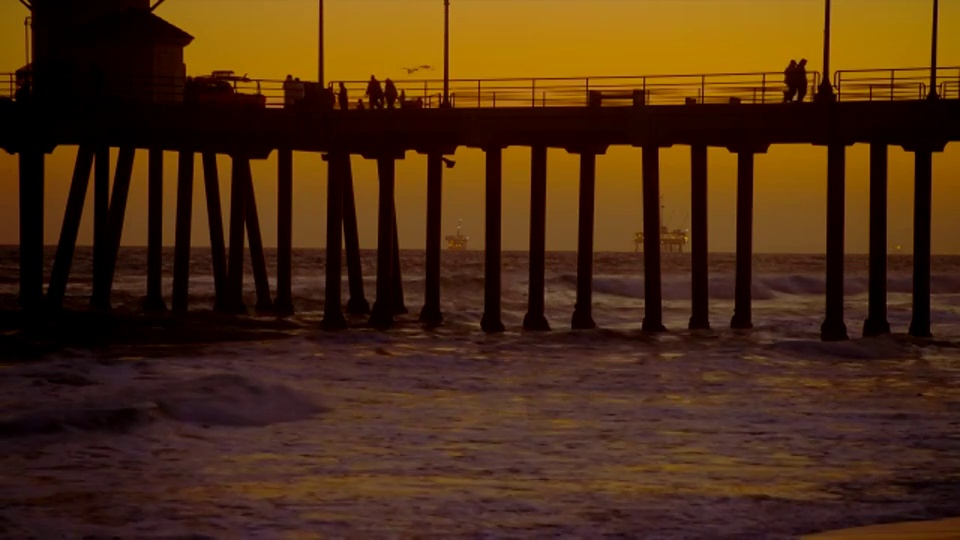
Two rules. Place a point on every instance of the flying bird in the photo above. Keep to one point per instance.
(412, 70)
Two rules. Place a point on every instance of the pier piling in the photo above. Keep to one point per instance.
(491, 322)
(699, 275)
(71, 226)
(382, 315)
(742, 316)
(333, 318)
(101, 209)
(283, 305)
(238, 197)
(181, 256)
(218, 251)
(31, 229)
(431, 315)
(399, 305)
(653, 301)
(115, 219)
(154, 301)
(583, 310)
(255, 239)
(535, 320)
(922, 216)
(357, 304)
(876, 323)
(833, 327)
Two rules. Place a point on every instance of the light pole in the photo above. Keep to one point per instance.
(320, 50)
(933, 51)
(446, 54)
(825, 92)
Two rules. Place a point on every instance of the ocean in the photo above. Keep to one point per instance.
(215, 427)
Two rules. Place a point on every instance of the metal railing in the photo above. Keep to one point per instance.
(893, 84)
(752, 88)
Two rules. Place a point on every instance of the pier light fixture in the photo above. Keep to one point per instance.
(320, 80)
(446, 54)
(825, 91)
(933, 51)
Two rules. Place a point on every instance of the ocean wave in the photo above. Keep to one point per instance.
(214, 400)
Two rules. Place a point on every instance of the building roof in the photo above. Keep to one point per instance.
(132, 26)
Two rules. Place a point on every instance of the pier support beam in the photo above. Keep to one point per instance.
(71, 225)
(257, 258)
(700, 277)
(218, 251)
(284, 301)
(181, 257)
(115, 219)
(101, 237)
(583, 311)
(876, 323)
(535, 320)
(154, 301)
(491, 322)
(922, 217)
(382, 315)
(238, 209)
(31, 229)
(431, 315)
(653, 302)
(833, 327)
(743, 297)
(399, 305)
(333, 318)
(357, 304)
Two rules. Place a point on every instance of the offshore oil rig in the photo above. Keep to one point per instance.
(671, 240)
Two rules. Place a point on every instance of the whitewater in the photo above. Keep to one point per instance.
(215, 427)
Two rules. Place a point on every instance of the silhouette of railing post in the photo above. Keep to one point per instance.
(333, 318)
(535, 320)
(833, 327)
(218, 256)
(181, 258)
(154, 300)
(700, 278)
(31, 179)
(652, 303)
(70, 228)
(257, 259)
(357, 304)
(922, 217)
(283, 304)
(876, 323)
(431, 315)
(101, 207)
(583, 311)
(382, 315)
(238, 197)
(491, 319)
(742, 311)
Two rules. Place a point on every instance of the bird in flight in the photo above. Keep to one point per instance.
(412, 70)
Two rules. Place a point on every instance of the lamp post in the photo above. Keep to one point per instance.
(446, 54)
(320, 81)
(933, 51)
(825, 92)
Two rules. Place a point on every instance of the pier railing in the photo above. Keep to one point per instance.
(754, 88)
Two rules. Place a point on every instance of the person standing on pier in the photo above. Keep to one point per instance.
(288, 91)
(375, 93)
(342, 98)
(391, 94)
(802, 82)
(790, 79)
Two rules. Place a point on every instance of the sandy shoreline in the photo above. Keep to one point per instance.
(943, 529)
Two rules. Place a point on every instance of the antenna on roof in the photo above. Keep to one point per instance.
(154, 8)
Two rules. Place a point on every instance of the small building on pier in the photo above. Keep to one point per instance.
(117, 50)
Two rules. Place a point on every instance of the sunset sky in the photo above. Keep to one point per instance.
(538, 38)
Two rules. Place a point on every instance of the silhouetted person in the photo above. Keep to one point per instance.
(299, 91)
(342, 99)
(288, 91)
(391, 94)
(360, 106)
(403, 99)
(790, 79)
(802, 82)
(375, 93)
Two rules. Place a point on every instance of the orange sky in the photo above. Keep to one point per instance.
(525, 38)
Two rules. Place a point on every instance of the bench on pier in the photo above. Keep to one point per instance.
(596, 97)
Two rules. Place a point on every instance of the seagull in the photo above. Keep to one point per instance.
(411, 71)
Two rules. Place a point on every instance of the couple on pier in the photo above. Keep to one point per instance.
(795, 78)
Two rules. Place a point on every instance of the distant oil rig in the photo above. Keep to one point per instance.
(671, 240)
(457, 242)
